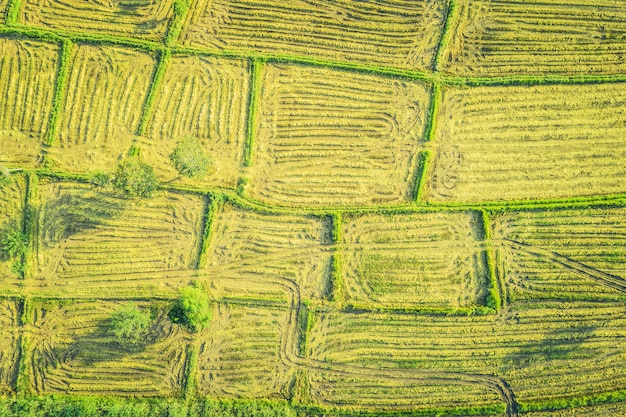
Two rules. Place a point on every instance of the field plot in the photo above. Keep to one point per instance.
(330, 137)
(373, 391)
(9, 345)
(517, 143)
(506, 37)
(73, 352)
(429, 259)
(270, 249)
(95, 243)
(565, 253)
(138, 19)
(544, 351)
(27, 77)
(205, 98)
(12, 199)
(394, 33)
(240, 352)
(106, 89)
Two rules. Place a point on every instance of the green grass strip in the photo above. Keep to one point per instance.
(191, 390)
(29, 220)
(485, 224)
(59, 91)
(336, 228)
(157, 77)
(181, 8)
(215, 201)
(478, 410)
(493, 299)
(430, 311)
(305, 322)
(574, 402)
(22, 382)
(336, 292)
(433, 111)
(421, 175)
(256, 67)
(13, 12)
(446, 35)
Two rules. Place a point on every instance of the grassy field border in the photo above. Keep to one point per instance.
(157, 77)
(256, 68)
(421, 175)
(175, 27)
(451, 16)
(213, 206)
(59, 91)
(13, 12)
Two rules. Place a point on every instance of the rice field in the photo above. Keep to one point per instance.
(330, 137)
(525, 143)
(140, 19)
(73, 352)
(391, 33)
(205, 98)
(240, 352)
(430, 259)
(505, 37)
(564, 254)
(9, 342)
(106, 89)
(27, 79)
(272, 249)
(93, 242)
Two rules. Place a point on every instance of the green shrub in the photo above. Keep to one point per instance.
(190, 159)
(130, 324)
(192, 309)
(15, 243)
(135, 178)
(100, 179)
(5, 176)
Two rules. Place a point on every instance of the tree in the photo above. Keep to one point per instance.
(192, 309)
(135, 178)
(130, 324)
(189, 158)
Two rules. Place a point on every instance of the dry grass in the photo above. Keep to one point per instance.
(602, 410)
(430, 259)
(240, 353)
(536, 37)
(9, 342)
(27, 77)
(395, 33)
(206, 98)
(106, 89)
(565, 253)
(519, 143)
(140, 19)
(94, 243)
(331, 137)
(73, 352)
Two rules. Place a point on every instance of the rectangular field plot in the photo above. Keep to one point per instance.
(240, 352)
(204, 98)
(12, 198)
(138, 19)
(95, 243)
(271, 250)
(518, 143)
(27, 76)
(564, 254)
(106, 89)
(416, 260)
(393, 33)
(331, 137)
(74, 352)
(369, 390)
(542, 350)
(9, 345)
(537, 37)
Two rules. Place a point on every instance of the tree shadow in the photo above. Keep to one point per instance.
(73, 213)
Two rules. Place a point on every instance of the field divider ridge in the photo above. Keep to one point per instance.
(450, 17)
(59, 91)
(157, 77)
(256, 68)
(495, 289)
(191, 365)
(13, 11)
(213, 206)
(175, 27)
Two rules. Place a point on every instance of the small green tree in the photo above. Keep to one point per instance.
(5, 176)
(130, 324)
(135, 178)
(190, 159)
(192, 309)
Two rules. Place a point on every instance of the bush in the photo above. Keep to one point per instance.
(189, 158)
(135, 178)
(130, 324)
(192, 309)
(15, 243)
(5, 176)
